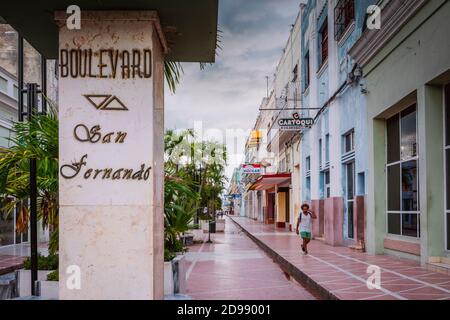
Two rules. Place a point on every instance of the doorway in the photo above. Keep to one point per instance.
(270, 208)
(350, 199)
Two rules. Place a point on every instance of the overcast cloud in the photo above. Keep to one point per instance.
(227, 95)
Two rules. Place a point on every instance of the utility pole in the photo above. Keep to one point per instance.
(32, 100)
(31, 90)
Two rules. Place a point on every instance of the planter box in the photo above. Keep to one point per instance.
(197, 233)
(179, 274)
(24, 281)
(188, 239)
(220, 225)
(204, 225)
(175, 276)
(168, 279)
(48, 290)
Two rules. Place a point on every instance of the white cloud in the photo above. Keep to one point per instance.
(227, 94)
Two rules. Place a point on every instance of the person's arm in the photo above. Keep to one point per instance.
(298, 222)
(313, 215)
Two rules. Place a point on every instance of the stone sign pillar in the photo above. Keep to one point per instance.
(111, 122)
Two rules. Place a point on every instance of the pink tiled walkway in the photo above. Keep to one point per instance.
(343, 272)
(12, 256)
(9, 263)
(233, 267)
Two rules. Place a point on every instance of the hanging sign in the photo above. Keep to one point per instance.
(295, 123)
(251, 169)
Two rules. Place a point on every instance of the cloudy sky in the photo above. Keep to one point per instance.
(227, 95)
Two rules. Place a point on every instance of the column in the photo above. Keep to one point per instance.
(431, 171)
(111, 116)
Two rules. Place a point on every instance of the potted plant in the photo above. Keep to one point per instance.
(220, 225)
(196, 232)
(36, 138)
(179, 210)
(46, 265)
(205, 219)
(49, 288)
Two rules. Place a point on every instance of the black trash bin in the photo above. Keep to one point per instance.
(212, 226)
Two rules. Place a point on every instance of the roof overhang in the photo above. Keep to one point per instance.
(190, 27)
(269, 181)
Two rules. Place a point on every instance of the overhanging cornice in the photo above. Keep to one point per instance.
(394, 15)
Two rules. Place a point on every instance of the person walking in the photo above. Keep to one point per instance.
(304, 226)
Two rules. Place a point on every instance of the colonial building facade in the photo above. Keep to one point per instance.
(375, 163)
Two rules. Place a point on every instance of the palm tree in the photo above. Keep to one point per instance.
(194, 179)
(38, 139)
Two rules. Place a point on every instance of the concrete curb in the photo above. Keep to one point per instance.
(290, 269)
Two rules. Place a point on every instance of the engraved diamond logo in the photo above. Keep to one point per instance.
(106, 102)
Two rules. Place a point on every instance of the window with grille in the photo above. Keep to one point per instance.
(344, 15)
(323, 43)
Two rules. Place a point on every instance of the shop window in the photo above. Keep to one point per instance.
(403, 216)
(393, 139)
(7, 232)
(408, 147)
(344, 15)
(323, 38)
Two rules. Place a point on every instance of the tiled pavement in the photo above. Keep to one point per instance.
(12, 257)
(9, 263)
(233, 267)
(342, 273)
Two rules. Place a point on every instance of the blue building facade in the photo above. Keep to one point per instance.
(334, 151)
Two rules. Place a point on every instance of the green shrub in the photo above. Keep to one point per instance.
(168, 256)
(49, 262)
(53, 276)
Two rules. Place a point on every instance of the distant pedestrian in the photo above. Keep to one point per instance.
(304, 226)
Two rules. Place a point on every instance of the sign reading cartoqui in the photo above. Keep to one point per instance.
(295, 123)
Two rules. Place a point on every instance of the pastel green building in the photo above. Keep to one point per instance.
(406, 66)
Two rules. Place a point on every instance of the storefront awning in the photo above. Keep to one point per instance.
(190, 27)
(269, 181)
